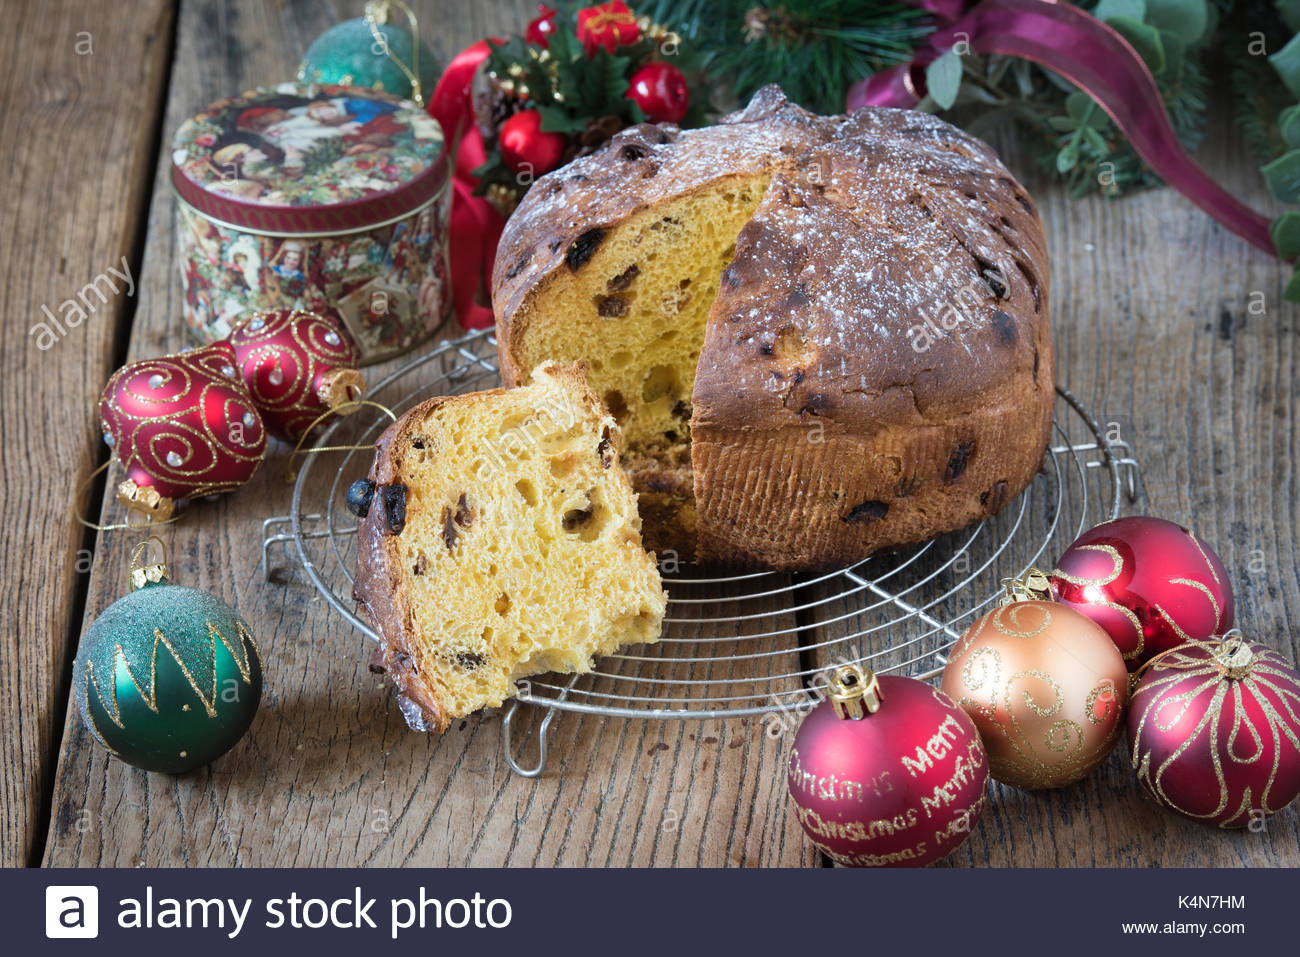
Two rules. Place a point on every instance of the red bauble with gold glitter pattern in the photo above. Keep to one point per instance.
(181, 425)
(1150, 583)
(1214, 732)
(888, 772)
(296, 365)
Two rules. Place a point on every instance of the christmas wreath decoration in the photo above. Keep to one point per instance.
(1109, 95)
(574, 79)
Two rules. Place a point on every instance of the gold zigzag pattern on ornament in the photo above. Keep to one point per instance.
(241, 657)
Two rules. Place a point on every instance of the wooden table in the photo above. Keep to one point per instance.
(1165, 324)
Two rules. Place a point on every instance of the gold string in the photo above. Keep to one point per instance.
(128, 524)
(412, 73)
(347, 408)
(139, 550)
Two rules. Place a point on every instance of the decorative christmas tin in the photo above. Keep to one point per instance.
(331, 199)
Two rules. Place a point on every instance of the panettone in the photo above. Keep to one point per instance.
(822, 335)
(500, 538)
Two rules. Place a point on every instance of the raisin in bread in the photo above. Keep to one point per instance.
(500, 539)
(823, 336)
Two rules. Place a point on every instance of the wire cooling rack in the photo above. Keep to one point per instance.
(749, 645)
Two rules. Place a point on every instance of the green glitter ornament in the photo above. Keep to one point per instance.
(371, 51)
(167, 678)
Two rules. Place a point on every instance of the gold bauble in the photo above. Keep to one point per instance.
(1045, 686)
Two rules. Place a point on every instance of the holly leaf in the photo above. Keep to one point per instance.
(1134, 9)
(1283, 176)
(1292, 291)
(1288, 125)
(1289, 11)
(1143, 38)
(943, 79)
(1286, 62)
(1084, 111)
(556, 119)
(1175, 53)
(1285, 231)
(1068, 158)
(1186, 19)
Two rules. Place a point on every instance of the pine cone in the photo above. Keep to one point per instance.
(493, 105)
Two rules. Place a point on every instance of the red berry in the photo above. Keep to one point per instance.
(525, 148)
(541, 27)
(660, 90)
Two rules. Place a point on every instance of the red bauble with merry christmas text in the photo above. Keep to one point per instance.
(181, 425)
(888, 772)
(526, 148)
(1214, 732)
(1150, 583)
(297, 365)
(660, 90)
(607, 25)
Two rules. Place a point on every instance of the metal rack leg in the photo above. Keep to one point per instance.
(507, 734)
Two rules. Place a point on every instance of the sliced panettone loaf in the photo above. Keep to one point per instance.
(824, 336)
(500, 539)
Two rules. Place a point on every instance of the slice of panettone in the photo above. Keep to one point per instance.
(500, 539)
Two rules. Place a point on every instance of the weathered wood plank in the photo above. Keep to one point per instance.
(83, 88)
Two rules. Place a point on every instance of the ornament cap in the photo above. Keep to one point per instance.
(145, 500)
(1032, 585)
(149, 573)
(1234, 656)
(854, 692)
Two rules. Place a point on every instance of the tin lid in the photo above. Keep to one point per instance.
(307, 158)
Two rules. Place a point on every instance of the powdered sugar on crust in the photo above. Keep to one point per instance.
(893, 271)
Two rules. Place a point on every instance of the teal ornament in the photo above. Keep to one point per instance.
(168, 678)
(373, 52)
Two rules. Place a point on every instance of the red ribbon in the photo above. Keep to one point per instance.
(1090, 55)
(475, 223)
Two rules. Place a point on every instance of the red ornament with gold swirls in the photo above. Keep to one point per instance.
(1045, 686)
(1214, 732)
(296, 365)
(1150, 583)
(888, 772)
(181, 425)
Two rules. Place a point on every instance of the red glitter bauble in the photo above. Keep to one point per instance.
(181, 425)
(1150, 583)
(297, 365)
(525, 148)
(661, 92)
(1214, 732)
(898, 787)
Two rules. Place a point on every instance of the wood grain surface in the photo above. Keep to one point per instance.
(82, 90)
(1152, 306)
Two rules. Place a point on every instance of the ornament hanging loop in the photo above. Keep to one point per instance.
(1234, 655)
(347, 408)
(1031, 586)
(854, 692)
(147, 573)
